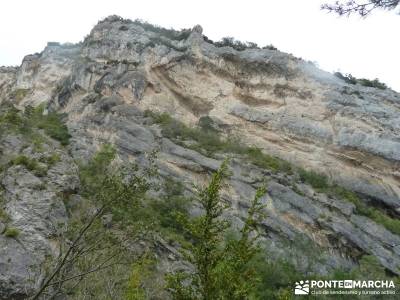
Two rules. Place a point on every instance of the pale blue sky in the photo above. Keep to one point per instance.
(364, 47)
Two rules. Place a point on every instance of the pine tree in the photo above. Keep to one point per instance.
(221, 269)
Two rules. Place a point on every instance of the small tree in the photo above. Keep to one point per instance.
(88, 248)
(221, 269)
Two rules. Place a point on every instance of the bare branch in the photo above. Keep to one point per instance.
(362, 8)
(57, 270)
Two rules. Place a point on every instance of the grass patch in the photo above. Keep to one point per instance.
(362, 208)
(51, 160)
(350, 79)
(169, 33)
(208, 141)
(3, 215)
(31, 164)
(19, 94)
(13, 120)
(321, 184)
(92, 174)
(265, 161)
(11, 232)
(317, 181)
(51, 124)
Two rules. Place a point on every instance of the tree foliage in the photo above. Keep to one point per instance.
(87, 247)
(221, 269)
(363, 8)
(350, 79)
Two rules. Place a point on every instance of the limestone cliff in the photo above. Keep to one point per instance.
(264, 98)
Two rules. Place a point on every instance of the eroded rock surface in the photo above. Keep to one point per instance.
(267, 98)
(36, 213)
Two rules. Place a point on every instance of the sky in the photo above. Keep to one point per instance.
(366, 48)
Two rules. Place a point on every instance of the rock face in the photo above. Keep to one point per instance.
(35, 211)
(277, 102)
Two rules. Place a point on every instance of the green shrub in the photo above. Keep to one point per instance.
(362, 208)
(230, 42)
(369, 266)
(209, 141)
(276, 277)
(32, 118)
(169, 33)
(20, 94)
(30, 164)
(372, 83)
(168, 207)
(52, 125)
(142, 273)
(3, 215)
(207, 124)
(321, 184)
(270, 47)
(11, 232)
(92, 174)
(265, 161)
(11, 117)
(235, 44)
(51, 160)
(317, 181)
(350, 79)
(221, 268)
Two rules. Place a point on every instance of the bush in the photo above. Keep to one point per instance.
(51, 160)
(270, 47)
(52, 125)
(169, 33)
(11, 117)
(169, 206)
(235, 44)
(362, 208)
(31, 164)
(265, 161)
(276, 277)
(20, 94)
(3, 215)
(372, 83)
(11, 232)
(208, 141)
(317, 181)
(207, 124)
(221, 268)
(141, 271)
(350, 79)
(32, 118)
(92, 174)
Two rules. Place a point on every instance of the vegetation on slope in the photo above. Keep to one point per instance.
(350, 79)
(321, 184)
(222, 269)
(13, 120)
(234, 265)
(242, 266)
(208, 140)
